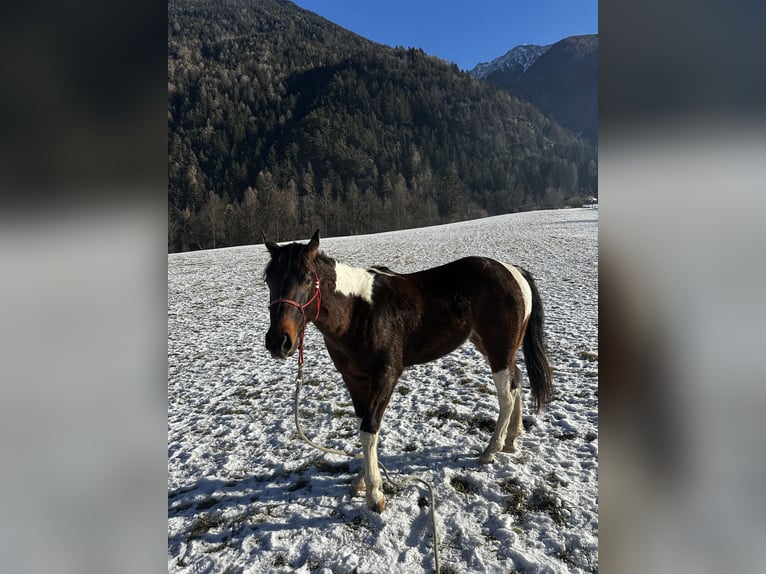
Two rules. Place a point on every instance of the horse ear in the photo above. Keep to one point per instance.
(270, 245)
(313, 247)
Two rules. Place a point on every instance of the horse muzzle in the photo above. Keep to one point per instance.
(280, 344)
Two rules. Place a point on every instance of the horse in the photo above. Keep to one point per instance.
(376, 322)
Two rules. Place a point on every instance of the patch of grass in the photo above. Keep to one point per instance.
(462, 485)
(411, 447)
(461, 371)
(404, 391)
(447, 570)
(216, 548)
(591, 375)
(589, 356)
(566, 435)
(445, 415)
(590, 436)
(542, 501)
(523, 458)
(313, 382)
(280, 561)
(358, 522)
(489, 537)
(202, 525)
(520, 503)
(239, 522)
(517, 496)
(567, 556)
(528, 422)
(487, 425)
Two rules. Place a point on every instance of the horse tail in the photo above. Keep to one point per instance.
(535, 356)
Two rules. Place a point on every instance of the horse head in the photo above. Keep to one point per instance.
(294, 294)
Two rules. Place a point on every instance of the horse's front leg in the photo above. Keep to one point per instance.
(357, 484)
(370, 395)
(381, 391)
(369, 468)
(372, 479)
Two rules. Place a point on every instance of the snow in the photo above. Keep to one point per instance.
(522, 56)
(246, 495)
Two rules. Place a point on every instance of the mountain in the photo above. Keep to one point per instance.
(513, 63)
(561, 79)
(281, 120)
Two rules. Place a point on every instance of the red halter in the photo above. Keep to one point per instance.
(302, 308)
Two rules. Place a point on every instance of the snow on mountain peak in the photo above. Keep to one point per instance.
(519, 58)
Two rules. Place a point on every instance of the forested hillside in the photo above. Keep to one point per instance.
(562, 82)
(281, 120)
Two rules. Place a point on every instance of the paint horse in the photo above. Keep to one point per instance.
(376, 322)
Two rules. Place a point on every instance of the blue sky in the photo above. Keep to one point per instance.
(461, 31)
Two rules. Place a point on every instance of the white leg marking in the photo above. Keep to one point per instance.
(353, 281)
(357, 484)
(372, 479)
(526, 290)
(503, 384)
(515, 426)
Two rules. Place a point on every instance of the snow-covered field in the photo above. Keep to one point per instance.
(246, 495)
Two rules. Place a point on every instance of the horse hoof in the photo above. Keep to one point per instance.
(487, 458)
(509, 448)
(378, 506)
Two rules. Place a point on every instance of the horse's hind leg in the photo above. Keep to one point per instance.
(508, 397)
(502, 380)
(515, 427)
(357, 484)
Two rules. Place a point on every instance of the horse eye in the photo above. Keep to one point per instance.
(307, 281)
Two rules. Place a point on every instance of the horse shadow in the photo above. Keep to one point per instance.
(223, 512)
(219, 511)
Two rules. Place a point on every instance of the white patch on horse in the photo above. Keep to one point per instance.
(505, 399)
(372, 479)
(526, 290)
(353, 281)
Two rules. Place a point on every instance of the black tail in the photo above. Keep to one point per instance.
(538, 368)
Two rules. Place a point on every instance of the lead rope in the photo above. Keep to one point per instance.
(406, 480)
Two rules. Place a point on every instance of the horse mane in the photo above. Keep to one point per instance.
(382, 270)
(289, 257)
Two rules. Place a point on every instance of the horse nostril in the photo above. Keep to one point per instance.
(287, 343)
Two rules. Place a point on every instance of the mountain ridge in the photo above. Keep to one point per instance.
(562, 81)
(518, 59)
